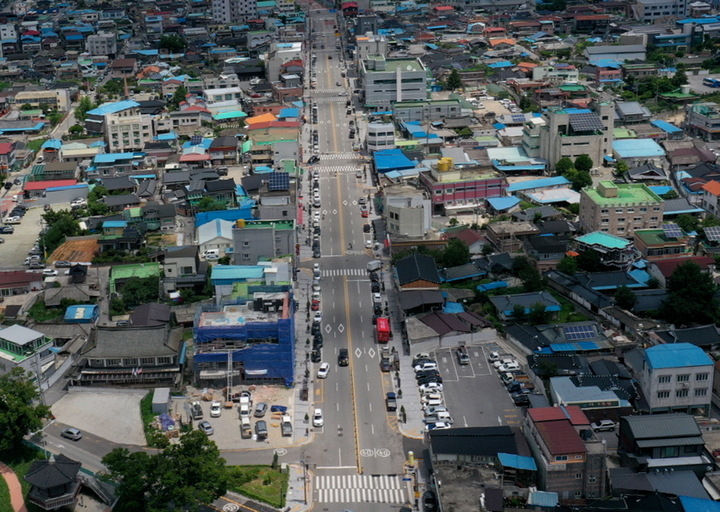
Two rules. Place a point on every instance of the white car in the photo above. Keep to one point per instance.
(48, 272)
(323, 371)
(513, 367)
(425, 366)
(316, 288)
(77, 202)
(215, 409)
(434, 410)
(316, 267)
(431, 386)
(377, 298)
(436, 426)
(368, 244)
(318, 418)
(494, 356)
(318, 316)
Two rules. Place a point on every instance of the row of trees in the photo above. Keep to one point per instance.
(577, 172)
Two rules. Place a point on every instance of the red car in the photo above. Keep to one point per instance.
(364, 214)
(316, 305)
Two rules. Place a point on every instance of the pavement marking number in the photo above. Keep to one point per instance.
(280, 451)
(365, 452)
(358, 352)
(382, 452)
(377, 452)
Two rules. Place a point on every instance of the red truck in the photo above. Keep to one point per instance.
(382, 330)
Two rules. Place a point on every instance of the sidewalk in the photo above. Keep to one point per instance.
(16, 493)
(299, 490)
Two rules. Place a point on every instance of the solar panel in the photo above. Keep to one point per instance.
(586, 122)
(713, 233)
(279, 181)
(196, 139)
(672, 230)
(518, 118)
(579, 332)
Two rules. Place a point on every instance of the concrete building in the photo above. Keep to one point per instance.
(408, 212)
(128, 133)
(703, 120)
(570, 133)
(570, 460)
(95, 120)
(233, 11)
(556, 73)
(387, 80)
(102, 43)
(370, 44)
(380, 136)
(59, 98)
(620, 209)
(430, 110)
(677, 377)
(257, 240)
(26, 348)
(650, 10)
(490, 5)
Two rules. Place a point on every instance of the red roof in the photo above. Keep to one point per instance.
(713, 187)
(560, 437)
(593, 17)
(444, 8)
(346, 5)
(194, 157)
(6, 148)
(469, 236)
(274, 124)
(42, 185)
(573, 413)
(667, 267)
(17, 278)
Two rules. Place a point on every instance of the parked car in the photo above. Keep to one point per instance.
(206, 427)
(215, 409)
(603, 426)
(317, 419)
(62, 264)
(71, 433)
(260, 409)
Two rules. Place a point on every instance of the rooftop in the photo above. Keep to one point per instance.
(630, 193)
(241, 314)
(676, 355)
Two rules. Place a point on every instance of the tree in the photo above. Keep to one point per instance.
(20, 413)
(177, 98)
(528, 274)
(208, 204)
(687, 222)
(172, 42)
(526, 104)
(680, 78)
(140, 290)
(579, 179)
(537, 314)
(26, 106)
(182, 477)
(454, 81)
(589, 261)
(456, 253)
(583, 163)
(621, 168)
(569, 265)
(691, 296)
(76, 129)
(84, 106)
(518, 313)
(563, 165)
(625, 298)
(62, 224)
(670, 194)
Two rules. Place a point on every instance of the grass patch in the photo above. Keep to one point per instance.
(36, 144)
(20, 461)
(567, 313)
(40, 313)
(153, 437)
(5, 503)
(261, 483)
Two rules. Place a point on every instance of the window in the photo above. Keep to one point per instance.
(701, 392)
(578, 457)
(578, 494)
(701, 376)
(664, 379)
(246, 256)
(246, 243)
(683, 378)
(147, 361)
(578, 476)
(130, 361)
(621, 219)
(592, 479)
(164, 360)
(663, 394)
(186, 270)
(112, 362)
(681, 393)
(561, 458)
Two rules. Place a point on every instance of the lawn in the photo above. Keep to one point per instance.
(36, 144)
(20, 462)
(5, 504)
(262, 483)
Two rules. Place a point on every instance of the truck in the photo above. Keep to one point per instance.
(386, 360)
(374, 265)
(462, 355)
(286, 426)
(519, 382)
(197, 413)
(382, 330)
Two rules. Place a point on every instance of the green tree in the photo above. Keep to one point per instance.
(589, 261)
(518, 313)
(139, 290)
(526, 104)
(687, 222)
(680, 78)
(26, 106)
(530, 277)
(172, 42)
(182, 477)
(177, 98)
(454, 81)
(62, 224)
(583, 163)
(625, 297)
(621, 168)
(84, 106)
(569, 265)
(579, 179)
(113, 86)
(537, 314)
(208, 204)
(670, 194)
(691, 296)
(20, 412)
(564, 165)
(456, 253)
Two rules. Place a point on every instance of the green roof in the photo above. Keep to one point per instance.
(277, 224)
(572, 88)
(628, 194)
(654, 236)
(134, 270)
(623, 133)
(604, 239)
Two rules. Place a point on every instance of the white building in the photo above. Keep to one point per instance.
(409, 212)
(8, 31)
(388, 80)
(223, 94)
(233, 11)
(128, 133)
(102, 43)
(217, 234)
(650, 10)
(380, 136)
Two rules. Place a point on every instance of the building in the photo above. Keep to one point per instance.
(59, 98)
(677, 377)
(570, 460)
(27, 349)
(426, 111)
(556, 73)
(128, 133)
(102, 44)
(55, 482)
(183, 269)
(257, 240)
(622, 52)
(7, 156)
(216, 234)
(650, 10)
(703, 120)
(570, 132)
(95, 120)
(620, 209)
(380, 136)
(233, 11)
(654, 244)
(370, 44)
(386, 80)
(408, 212)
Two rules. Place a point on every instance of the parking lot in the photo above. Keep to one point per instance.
(15, 249)
(696, 83)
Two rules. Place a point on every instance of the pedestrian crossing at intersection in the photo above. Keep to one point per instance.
(340, 156)
(337, 168)
(344, 272)
(360, 489)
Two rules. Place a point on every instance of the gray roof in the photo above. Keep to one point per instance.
(508, 302)
(662, 425)
(47, 473)
(679, 205)
(117, 183)
(631, 108)
(417, 267)
(677, 483)
(479, 441)
(703, 335)
(20, 335)
(79, 293)
(176, 177)
(121, 200)
(622, 48)
(411, 299)
(133, 342)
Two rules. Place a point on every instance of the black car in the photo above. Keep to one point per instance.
(374, 277)
(343, 358)
(222, 171)
(366, 228)
(520, 399)
(316, 328)
(429, 379)
(426, 373)
(316, 253)
(377, 310)
(429, 501)
(7, 230)
(8, 185)
(313, 159)
(316, 355)
(375, 288)
(352, 135)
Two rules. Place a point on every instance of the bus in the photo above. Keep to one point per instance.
(382, 330)
(711, 82)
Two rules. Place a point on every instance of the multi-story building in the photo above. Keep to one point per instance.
(128, 133)
(654, 244)
(556, 73)
(650, 10)
(387, 80)
(257, 240)
(424, 111)
(677, 377)
(27, 349)
(370, 44)
(408, 212)
(570, 133)
(59, 98)
(703, 120)
(380, 136)
(95, 120)
(490, 5)
(568, 464)
(102, 43)
(233, 11)
(620, 209)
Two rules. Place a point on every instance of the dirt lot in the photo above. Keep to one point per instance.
(75, 251)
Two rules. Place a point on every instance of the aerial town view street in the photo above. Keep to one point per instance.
(361, 256)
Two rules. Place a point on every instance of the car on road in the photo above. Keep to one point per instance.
(62, 264)
(71, 433)
(317, 253)
(316, 355)
(323, 371)
(368, 244)
(391, 401)
(318, 316)
(7, 230)
(317, 419)
(513, 366)
(603, 426)
(49, 272)
(313, 159)
(429, 501)
(318, 340)
(434, 410)
(215, 409)
(436, 426)
(367, 228)
(343, 358)
(429, 378)
(377, 298)
(13, 220)
(206, 427)
(260, 409)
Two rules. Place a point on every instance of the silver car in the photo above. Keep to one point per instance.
(71, 433)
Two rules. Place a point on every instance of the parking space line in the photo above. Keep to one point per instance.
(447, 369)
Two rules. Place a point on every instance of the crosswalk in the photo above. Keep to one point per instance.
(360, 489)
(351, 155)
(331, 99)
(337, 168)
(344, 272)
(332, 90)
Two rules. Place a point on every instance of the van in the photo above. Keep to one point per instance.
(435, 402)
(374, 265)
(212, 254)
(261, 429)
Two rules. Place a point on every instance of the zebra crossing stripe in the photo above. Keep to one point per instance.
(359, 489)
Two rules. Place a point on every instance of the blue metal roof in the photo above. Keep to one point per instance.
(509, 460)
(107, 158)
(492, 286)
(503, 203)
(676, 355)
(51, 144)
(114, 224)
(698, 505)
(453, 307)
(543, 499)
(112, 108)
(637, 148)
(541, 182)
(665, 126)
(233, 273)
(660, 190)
